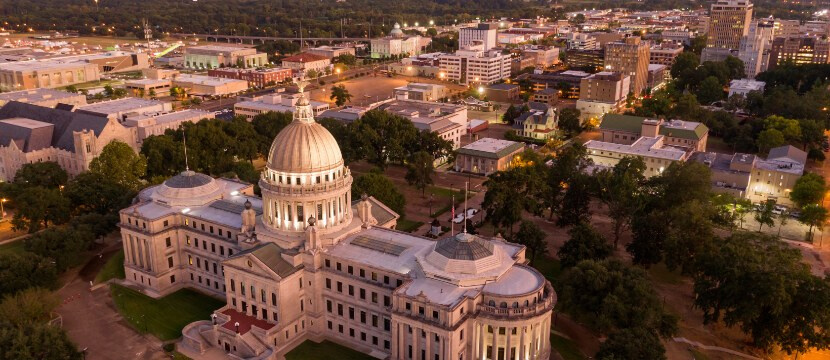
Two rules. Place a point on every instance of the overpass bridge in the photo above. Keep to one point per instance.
(242, 39)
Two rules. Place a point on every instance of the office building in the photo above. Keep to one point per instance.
(798, 50)
(484, 34)
(651, 149)
(421, 92)
(278, 102)
(43, 97)
(303, 63)
(218, 56)
(630, 57)
(602, 93)
(475, 66)
(331, 52)
(755, 46)
(255, 77)
(626, 129)
(586, 60)
(449, 121)
(665, 53)
(729, 22)
(398, 44)
(486, 156)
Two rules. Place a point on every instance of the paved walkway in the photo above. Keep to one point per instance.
(93, 323)
(715, 348)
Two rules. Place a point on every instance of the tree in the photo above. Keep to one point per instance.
(37, 341)
(511, 114)
(25, 270)
(419, 170)
(267, 126)
(783, 218)
(710, 90)
(789, 128)
(121, 164)
(93, 193)
(612, 296)
(569, 164)
(30, 306)
(586, 243)
(178, 92)
(765, 215)
(164, 154)
(532, 237)
(378, 185)
(760, 284)
(808, 190)
(38, 207)
(686, 61)
(569, 121)
(47, 174)
(503, 202)
(632, 343)
(384, 136)
(64, 246)
(813, 215)
(770, 138)
(576, 200)
(340, 95)
(619, 191)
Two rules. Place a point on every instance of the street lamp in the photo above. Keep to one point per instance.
(2, 210)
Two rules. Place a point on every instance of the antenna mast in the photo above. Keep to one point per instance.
(466, 189)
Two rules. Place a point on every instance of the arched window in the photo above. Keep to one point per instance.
(492, 303)
(503, 304)
(515, 304)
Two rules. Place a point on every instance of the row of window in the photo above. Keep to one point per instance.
(364, 319)
(386, 343)
(362, 273)
(195, 244)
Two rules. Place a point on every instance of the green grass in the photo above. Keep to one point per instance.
(447, 193)
(163, 317)
(179, 356)
(113, 269)
(14, 247)
(408, 225)
(323, 351)
(549, 267)
(566, 347)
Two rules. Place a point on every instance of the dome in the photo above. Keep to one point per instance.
(464, 254)
(396, 30)
(188, 188)
(303, 147)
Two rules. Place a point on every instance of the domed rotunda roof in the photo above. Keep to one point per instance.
(396, 30)
(464, 253)
(188, 188)
(304, 145)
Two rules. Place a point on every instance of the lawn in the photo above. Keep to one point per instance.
(113, 269)
(14, 247)
(163, 317)
(566, 347)
(408, 225)
(325, 350)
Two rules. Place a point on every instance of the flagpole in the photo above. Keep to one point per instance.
(466, 189)
(452, 221)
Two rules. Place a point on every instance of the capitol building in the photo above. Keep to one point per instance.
(307, 261)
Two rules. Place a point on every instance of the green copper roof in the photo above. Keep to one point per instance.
(633, 124)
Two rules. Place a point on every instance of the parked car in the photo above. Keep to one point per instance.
(795, 214)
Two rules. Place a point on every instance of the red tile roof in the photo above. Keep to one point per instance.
(245, 322)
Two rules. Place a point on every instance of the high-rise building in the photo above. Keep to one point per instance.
(630, 57)
(755, 46)
(799, 50)
(472, 66)
(729, 22)
(485, 34)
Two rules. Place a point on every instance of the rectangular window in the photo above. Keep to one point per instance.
(362, 294)
(170, 262)
(328, 283)
(167, 240)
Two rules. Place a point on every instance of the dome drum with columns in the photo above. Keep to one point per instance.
(305, 177)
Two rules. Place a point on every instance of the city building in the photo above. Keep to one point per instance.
(520, 63)
(540, 122)
(799, 50)
(305, 62)
(475, 66)
(331, 52)
(218, 56)
(546, 96)
(543, 56)
(558, 80)
(581, 41)
(43, 97)
(208, 86)
(306, 262)
(502, 92)
(755, 46)
(398, 44)
(651, 149)
(119, 109)
(30, 133)
(421, 92)
(588, 60)
(657, 75)
(665, 53)
(751, 177)
(729, 22)
(745, 86)
(786, 28)
(484, 34)
(602, 93)
(148, 87)
(630, 57)
(149, 124)
(449, 121)
(626, 129)
(486, 156)
(27, 75)
(278, 102)
(681, 37)
(255, 77)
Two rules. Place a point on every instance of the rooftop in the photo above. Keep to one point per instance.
(491, 148)
(644, 146)
(119, 105)
(36, 95)
(304, 58)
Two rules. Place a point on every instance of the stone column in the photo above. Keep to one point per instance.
(429, 336)
(507, 353)
(545, 340)
(533, 331)
(521, 346)
(480, 353)
(414, 342)
(494, 346)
